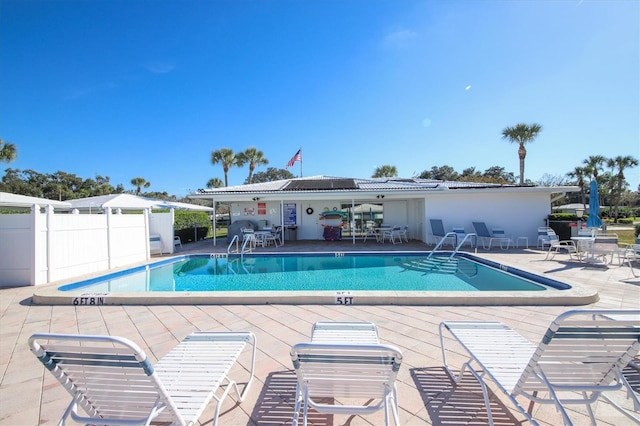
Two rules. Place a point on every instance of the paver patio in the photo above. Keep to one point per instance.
(29, 395)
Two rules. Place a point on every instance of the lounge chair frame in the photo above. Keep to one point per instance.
(340, 370)
(114, 383)
(487, 238)
(581, 356)
(361, 332)
(439, 234)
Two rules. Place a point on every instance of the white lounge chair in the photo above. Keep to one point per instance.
(579, 357)
(341, 331)
(631, 372)
(346, 373)
(113, 381)
(487, 238)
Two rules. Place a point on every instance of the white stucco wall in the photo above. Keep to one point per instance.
(519, 215)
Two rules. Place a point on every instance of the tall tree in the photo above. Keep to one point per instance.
(8, 151)
(594, 165)
(497, 174)
(272, 174)
(440, 173)
(139, 183)
(618, 165)
(214, 183)
(579, 173)
(254, 158)
(227, 158)
(385, 171)
(521, 134)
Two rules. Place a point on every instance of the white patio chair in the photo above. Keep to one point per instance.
(360, 332)
(404, 233)
(630, 253)
(393, 234)
(579, 357)
(370, 231)
(556, 246)
(113, 382)
(249, 237)
(269, 238)
(177, 242)
(543, 236)
(346, 372)
(155, 244)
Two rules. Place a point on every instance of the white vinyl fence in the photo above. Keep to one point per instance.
(39, 248)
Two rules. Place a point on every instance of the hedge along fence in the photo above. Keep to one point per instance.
(185, 221)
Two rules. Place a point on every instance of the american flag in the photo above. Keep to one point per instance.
(297, 157)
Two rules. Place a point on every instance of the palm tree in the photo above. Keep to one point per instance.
(579, 173)
(139, 183)
(521, 134)
(254, 157)
(594, 165)
(385, 171)
(214, 183)
(621, 163)
(8, 151)
(227, 158)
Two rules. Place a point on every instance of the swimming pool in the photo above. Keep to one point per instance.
(324, 278)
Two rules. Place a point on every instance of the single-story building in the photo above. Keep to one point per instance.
(299, 204)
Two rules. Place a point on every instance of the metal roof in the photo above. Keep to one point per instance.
(322, 187)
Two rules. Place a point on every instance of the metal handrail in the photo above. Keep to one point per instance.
(466, 237)
(246, 241)
(233, 240)
(441, 242)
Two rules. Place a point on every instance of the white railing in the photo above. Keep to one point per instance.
(461, 243)
(441, 242)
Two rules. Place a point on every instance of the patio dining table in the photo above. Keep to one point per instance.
(585, 244)
(380, 233)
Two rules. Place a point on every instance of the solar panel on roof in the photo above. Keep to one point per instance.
(319, 184)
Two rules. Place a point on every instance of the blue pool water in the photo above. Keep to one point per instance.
(338, 271)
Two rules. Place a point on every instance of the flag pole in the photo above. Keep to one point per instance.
(300, 160)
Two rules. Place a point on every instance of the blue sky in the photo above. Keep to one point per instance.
(150, 88)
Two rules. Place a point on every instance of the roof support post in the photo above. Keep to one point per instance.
(352, 224)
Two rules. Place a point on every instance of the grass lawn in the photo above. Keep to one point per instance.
(625, 235)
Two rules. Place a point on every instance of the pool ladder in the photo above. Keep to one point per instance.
(247, 246)
(460, 244)
(443, 266)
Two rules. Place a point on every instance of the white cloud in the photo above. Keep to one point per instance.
(399, 39)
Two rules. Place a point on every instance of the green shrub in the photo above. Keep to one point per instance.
(185, 219)
(563, 216)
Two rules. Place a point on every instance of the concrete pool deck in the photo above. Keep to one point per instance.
(29, 395)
